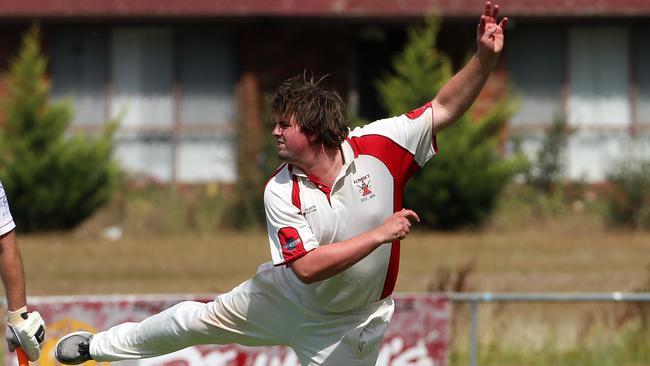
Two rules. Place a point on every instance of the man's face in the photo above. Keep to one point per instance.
(291, 141)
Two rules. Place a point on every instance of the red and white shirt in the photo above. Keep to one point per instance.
(302, 213)
(6, 221)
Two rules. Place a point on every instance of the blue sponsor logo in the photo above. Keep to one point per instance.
(292, 243)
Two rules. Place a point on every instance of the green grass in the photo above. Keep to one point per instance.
(629, 349)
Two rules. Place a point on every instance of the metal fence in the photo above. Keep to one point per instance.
(475, 298)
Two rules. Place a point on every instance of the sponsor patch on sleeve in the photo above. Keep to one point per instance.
(292, 246)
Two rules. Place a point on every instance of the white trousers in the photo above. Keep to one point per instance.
(255, 313)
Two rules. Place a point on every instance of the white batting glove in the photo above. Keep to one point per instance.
(25, 330)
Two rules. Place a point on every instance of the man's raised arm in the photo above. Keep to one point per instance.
(458, 94)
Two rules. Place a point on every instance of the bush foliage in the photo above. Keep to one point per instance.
(548, 167)
(458, 187)
(628, 205)
(53, 181)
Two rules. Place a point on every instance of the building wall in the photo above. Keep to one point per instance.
(184, 93)
(193, 95)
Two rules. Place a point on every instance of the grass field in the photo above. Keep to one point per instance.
(549, 257)
(527, 262)
(570, 253)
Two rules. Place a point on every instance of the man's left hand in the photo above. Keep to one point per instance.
(28, 333)
(489, 34)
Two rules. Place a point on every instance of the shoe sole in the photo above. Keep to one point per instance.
(56, 347)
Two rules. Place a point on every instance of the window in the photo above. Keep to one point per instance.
(599, 100)
(537, 73)
(642, 72)
(592, 154)
(598, 77)
(173, 90)
(150, 155)
(142, 73)
(207, 84)
(207, 78)
(206, 157)
(78, 63)
(594, 64)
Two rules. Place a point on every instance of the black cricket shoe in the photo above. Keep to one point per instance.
(74, 348)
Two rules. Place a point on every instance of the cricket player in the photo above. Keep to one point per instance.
(24, 329)
(335, 220)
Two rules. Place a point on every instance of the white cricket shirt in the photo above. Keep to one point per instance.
(6, 221)
(303, 213)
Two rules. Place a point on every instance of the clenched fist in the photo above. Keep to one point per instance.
(398, 225)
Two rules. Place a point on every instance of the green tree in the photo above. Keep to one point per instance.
(418, 71)
(53, 181)
(458, 187)
(548, 168)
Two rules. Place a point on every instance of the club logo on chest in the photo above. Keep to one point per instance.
(364, 187)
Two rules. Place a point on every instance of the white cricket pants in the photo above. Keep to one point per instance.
(255, 313)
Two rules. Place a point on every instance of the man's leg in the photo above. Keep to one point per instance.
(180, 326)
(253, 313)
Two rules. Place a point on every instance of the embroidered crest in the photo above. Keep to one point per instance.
(364, 187)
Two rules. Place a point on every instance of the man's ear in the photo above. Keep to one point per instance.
(312, 137)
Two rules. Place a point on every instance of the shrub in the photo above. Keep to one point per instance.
(53, 181)
(628, 204)
(548, 167)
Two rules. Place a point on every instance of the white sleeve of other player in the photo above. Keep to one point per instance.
(413, 131)
(6, 220)
(290, 235)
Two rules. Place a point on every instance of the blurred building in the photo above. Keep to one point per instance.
(189, 77)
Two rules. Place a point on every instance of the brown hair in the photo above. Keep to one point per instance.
(318, 111)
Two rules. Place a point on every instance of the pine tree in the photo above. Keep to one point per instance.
(458, 187)
(53, 181)
(419, 71)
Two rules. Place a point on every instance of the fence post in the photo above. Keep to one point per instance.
(473, 343)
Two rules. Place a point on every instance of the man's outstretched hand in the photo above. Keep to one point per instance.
(489, 34)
